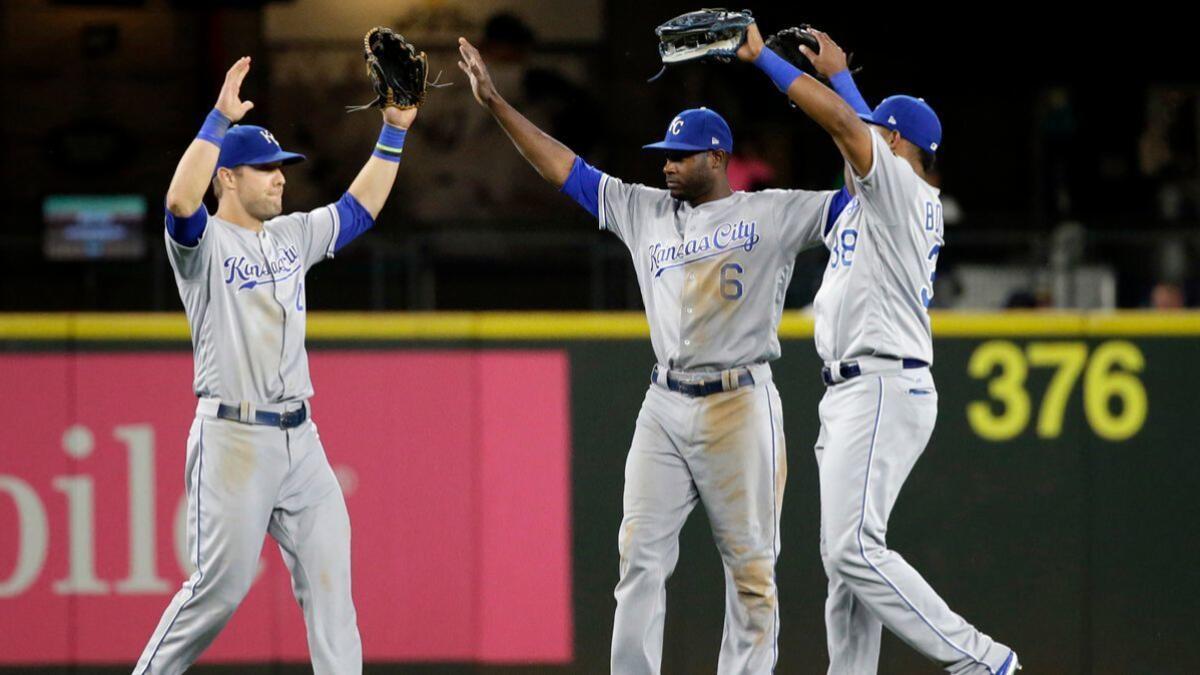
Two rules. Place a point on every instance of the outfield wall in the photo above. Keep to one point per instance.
(483, 454)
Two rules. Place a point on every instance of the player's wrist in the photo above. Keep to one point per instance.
(777, 68)
(390, 146)
(214, 128)
(841, 76)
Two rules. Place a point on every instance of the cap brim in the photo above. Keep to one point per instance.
(685, 147)
(280, 157)
(871, 120)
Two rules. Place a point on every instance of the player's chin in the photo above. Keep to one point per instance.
(677, 191)
(268, 209)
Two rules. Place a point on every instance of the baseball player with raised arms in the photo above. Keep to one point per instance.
(884, 234)
(713, 266)
(255, 464)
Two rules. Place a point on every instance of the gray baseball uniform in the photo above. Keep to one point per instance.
(713, 279)
(872, 330)
(244, 297)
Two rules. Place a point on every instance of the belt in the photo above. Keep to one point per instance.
(841, 371)
(726, 380)
(248, 413)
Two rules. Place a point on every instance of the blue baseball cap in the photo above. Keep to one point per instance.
(696, 130)
(912, 117)
(248, 144)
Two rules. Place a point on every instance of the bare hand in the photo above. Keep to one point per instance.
(481, 81)
(399, 118)
(229, 102)
(753, 45)
(830, 60)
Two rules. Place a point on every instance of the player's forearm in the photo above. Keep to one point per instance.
(195, 169)
(836, 117)
(374, 182)
(824, 106)
(843, 83)
(552, 159)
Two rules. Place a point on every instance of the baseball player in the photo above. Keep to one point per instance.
(713, 266)
(255, 464)
(884, 233)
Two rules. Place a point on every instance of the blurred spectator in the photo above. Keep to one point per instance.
(1167, 153)
(468, 167)
(1037, 298)
(748, 170)
(1057, 132)
(1167, 295)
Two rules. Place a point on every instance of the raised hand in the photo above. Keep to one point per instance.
(229, 101)
(472, 64)
(753, 44)
(399, 118)
(830, 60)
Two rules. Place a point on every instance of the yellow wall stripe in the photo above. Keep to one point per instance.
(418, 326)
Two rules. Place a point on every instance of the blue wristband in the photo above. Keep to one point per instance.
(843, 84)
(780, 71)
(215, 126)
(390, 144)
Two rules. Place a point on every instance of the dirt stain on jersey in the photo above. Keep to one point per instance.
(712, 300)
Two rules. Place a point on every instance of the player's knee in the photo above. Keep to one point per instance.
(755, 580)
(846, 558)
(633, 546)
(224, 592)
(224, 601)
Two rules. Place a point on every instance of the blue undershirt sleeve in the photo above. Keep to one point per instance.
(843, 84)
(583, 185)
(186, 230)
(353, 220)
(836, 206)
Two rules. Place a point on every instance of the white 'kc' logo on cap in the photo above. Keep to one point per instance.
(270, 139)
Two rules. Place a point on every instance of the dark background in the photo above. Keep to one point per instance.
(1044, 111)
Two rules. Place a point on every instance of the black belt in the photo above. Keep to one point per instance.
(705, 388)
(286, 420)
(850, 369)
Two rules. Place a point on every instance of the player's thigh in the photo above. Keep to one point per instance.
(908, 419)
(311, 490)
(659, 492)
(311, 521)
(740, 468)
(850, 420)
(237, 473)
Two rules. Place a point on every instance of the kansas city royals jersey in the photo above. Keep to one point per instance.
(712, 276)
(883, 251)
(244, 297)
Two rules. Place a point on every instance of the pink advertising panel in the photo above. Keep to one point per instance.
(455, 466)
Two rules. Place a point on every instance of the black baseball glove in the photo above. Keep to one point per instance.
(786, 43)
(706, 35)
(399, 74)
